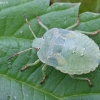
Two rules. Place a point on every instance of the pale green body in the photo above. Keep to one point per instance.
(68, 51)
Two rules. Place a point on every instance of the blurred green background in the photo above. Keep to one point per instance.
(86, 5)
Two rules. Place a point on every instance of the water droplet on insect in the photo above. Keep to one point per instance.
(82, 54)
(74, 49)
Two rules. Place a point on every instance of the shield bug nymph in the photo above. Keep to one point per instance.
(69, 51)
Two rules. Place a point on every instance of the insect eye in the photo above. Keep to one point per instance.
(42, 37)
(37, 49)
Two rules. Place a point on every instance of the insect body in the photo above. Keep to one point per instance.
(68, 51)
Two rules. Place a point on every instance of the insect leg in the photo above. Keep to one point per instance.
(18, 53)
(91, 33)
(41, 24)
(31, 64)
(81, 78)
(29, 26)
(76, 24)
(43, 72)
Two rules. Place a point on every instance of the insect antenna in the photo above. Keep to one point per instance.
(18, 53)
(29, 26)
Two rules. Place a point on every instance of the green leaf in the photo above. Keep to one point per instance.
(15, 36)
(92, 5)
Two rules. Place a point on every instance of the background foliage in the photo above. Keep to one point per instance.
(86, 5)
(15, 36)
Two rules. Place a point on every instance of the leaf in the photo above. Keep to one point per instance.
(15, 36)
(92, 6)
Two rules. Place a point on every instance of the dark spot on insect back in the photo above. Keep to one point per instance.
(57, 48)
(52, 61)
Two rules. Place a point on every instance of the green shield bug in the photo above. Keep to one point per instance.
(69, 51)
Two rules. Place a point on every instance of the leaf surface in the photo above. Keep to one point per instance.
(16, 36)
